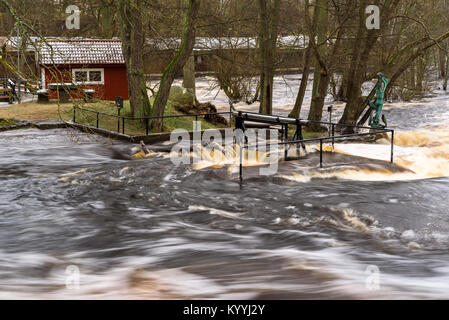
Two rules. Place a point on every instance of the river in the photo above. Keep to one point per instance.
(149, 229)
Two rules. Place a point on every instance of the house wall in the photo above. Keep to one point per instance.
(115, 81)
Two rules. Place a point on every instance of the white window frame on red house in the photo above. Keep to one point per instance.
(88, 75)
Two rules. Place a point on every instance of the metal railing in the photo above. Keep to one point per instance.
(142, 125)
(284, 121)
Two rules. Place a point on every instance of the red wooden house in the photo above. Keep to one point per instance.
(78, 67)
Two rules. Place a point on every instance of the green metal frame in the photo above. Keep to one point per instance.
(377, 104)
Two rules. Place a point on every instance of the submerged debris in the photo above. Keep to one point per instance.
(142, 151)
(68, 176)
(215, 119)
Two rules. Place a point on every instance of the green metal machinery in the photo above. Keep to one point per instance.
(377, 104)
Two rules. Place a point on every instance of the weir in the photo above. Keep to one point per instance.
(242, 117)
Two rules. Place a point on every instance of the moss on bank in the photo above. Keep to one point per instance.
(8, 122)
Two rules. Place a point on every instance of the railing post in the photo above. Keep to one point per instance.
(146, 126)
(333, 135)
(74, 114)
(392, 146)
(241, 163)
(321, 153)
(286, 141)
(98, 119)
(196, 123)
(118, 121)
(123, 125)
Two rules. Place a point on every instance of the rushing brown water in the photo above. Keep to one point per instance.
(148, 229)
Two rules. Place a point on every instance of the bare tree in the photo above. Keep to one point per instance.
(268, 30)
(308, 59)
(131, 18)
(177, 63)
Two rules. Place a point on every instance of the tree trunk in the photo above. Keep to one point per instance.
(442, 62)
(321, 75)
(420, 75)
(296, 111)
(342, 89)
(268, 27)
(362, 46)
(133, 41)
(107, 12)
(446, 76)
(412, 77)
(177, 63)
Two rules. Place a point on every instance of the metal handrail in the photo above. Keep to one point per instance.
(294, 120)
(152, 117)
(122, 119)
(321, 140)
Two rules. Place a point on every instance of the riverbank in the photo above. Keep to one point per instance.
(17, 116)
(53, 112)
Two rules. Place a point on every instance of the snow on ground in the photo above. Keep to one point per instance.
(285, 91)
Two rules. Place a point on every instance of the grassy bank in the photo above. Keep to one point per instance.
(51, 111)
(134, 127)
(33, 111)
(7, 122)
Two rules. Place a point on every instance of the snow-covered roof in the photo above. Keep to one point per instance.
(81, 51)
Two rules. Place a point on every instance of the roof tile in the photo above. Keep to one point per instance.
(81, 52)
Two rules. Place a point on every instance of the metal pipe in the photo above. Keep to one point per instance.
(254, 116)
(257, 116)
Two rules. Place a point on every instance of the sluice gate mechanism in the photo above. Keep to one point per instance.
(244, 119)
